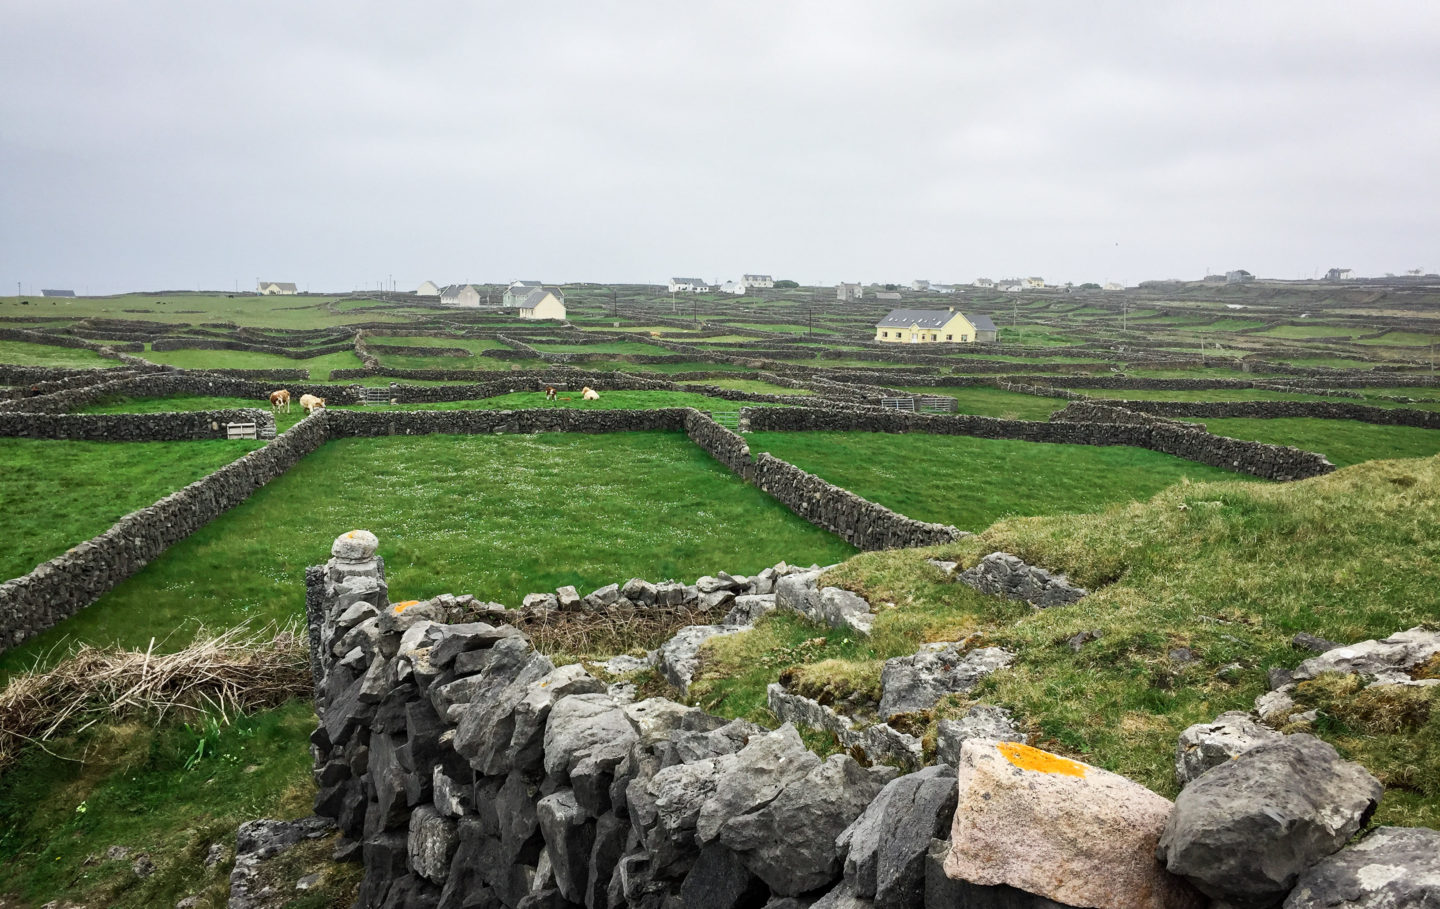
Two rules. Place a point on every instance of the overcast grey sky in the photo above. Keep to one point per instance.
(160, 144)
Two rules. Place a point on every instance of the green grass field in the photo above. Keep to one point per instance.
(601, 347)
(1403, 339)
(244, 359)
(56, 494)
(993, 402)
(1307, 332)
(1344, 442)
(970, 482)
(496, 516)
(752, 385)
(23, 353)
(195, 308)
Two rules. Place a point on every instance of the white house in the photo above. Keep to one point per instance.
(466, 295)
(1338, 274)
(919, 284)
(983, 282)
(1111, 285)
(276, 287)
(690, 285)
(543, 303)
(732, 287)
(848, 292)
(1034, 282)
(757, 281)
(428, 289)
(517, 291)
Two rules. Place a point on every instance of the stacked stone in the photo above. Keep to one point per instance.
(126, 427)
(305, 353)
(347, 424)
(473, 772)
(1275, 462)
(1325, 410)
(405, 350)
(59, 588)
(169, 383)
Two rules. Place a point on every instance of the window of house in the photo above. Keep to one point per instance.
(949, 337)
(964, 337)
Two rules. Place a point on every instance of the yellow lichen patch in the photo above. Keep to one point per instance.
(401, 607)
(1027, 758)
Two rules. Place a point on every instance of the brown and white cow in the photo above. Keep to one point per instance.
(280, 400)
(310, 403)
(589, 394)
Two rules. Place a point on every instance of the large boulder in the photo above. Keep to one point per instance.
(1060, 829)
(918, 681)
(1391, 868)
(1207, 745)
(1244, 831)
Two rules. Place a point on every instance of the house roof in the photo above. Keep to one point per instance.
(450, 290)
(536, 296)
(931, 318)
(524, 283)
(56, 293)
(755, 278)
(689, 281)
(982, 323)
(283, 285)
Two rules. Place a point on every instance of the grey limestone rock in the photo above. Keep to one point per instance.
(679, 658)
(259, 840)
(790, 841)
(1307, 641)
(457, 639)
(432, 843)
(941, 890)
(625, 664)
(569, 839)
(748, 609)
(797, 592)
(1386, 660)
(1244, 831)
(1002, 574)
(587, 734)
(1391, 868)
(355, 546)
(842, 896)
(1207, 745)
(916, 682)
(539, 602)
(840, 608)
(754, 777)
(529, 719)
(980, 722)
(485, 724)
(639, 591)
(719, 880)
(1274, 706)
(885, 847)
(605, 596)
(567, 597)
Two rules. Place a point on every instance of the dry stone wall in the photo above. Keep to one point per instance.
(125, 427)
(167, 384)
(857, 520)
(347, 424)
(1269, 410)
(61, 587)
(1273, 462)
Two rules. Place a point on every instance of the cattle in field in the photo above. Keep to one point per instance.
(589, 394)
(280, 400)
(310, 403)
(549, 392)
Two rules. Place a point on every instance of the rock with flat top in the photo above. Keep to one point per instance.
(1207, 745)
(1060, 829)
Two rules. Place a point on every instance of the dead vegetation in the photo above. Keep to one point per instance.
(239, 671)
(616, 630)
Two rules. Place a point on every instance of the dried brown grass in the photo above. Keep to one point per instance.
(614, 630)
(237, 671)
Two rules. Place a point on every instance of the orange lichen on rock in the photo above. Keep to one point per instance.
(1027, 758)
(401, 607)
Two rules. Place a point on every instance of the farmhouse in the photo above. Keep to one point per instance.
(460, 295)
(518, 291)
(1338, 274)
(428, 289)
(1034, 282)
(543, 303)
(940, 326)
(689, 285)
(57, 293)
(983, 282)
(732, 287)
(272, 288)
(757, 281)
(848, 292)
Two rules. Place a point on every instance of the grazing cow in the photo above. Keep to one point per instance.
(310, 403)
(589, 394)
(549, 392)
(280, 400)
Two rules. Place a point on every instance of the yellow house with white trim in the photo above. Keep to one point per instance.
(934, 326)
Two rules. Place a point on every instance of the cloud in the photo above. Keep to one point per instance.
(335, 143)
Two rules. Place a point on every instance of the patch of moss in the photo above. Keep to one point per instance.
(842, 684)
